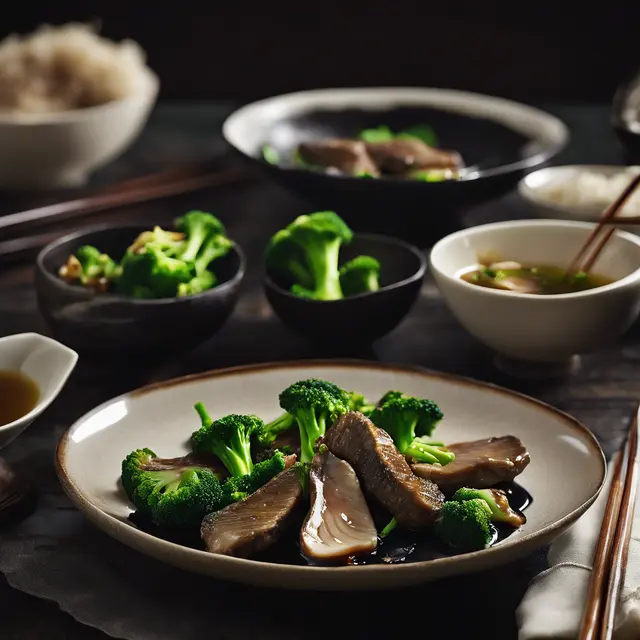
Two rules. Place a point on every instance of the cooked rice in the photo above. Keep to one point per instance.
(57, 68)
(593, 188)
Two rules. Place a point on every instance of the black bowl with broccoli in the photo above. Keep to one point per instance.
(334, 286)
(144, 289)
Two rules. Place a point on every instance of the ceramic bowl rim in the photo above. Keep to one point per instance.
(270, 283)
(146, 92)
(532, 195)
(400, 96)
(55, 281)
(42, 405)
(441, 246)
(81, 502)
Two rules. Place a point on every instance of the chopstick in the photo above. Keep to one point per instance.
(623, 535)
(143, 189)
(611, 551)
(606, 218)
(24, 249)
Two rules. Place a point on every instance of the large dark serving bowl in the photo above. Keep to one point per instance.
(500, 138)
(117, 325)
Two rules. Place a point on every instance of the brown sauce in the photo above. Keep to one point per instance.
(18, 395)
(399, 547)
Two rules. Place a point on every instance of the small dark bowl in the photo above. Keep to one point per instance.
(501, 139)
(357, 320)
(107, 323)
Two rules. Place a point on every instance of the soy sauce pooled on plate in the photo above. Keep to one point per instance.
(535, 279)
(19, 394)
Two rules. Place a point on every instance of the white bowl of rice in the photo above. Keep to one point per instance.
(580, 192)
(70, 102)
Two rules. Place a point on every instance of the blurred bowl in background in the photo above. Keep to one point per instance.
(62, 149)
(579, 192)
(498, 139)
(112, 325)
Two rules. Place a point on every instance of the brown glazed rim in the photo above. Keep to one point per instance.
(77, 497)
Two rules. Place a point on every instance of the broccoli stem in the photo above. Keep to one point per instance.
(312, 426)
(324, 265)
(428, 453)
(393, 523)
(203, 413)
(280, 424)
(194, 241)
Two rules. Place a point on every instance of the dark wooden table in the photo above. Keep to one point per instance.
(602, 393)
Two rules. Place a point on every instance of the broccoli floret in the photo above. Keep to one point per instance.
(229, 438)
(286, 259)
(313, 266)
(131, 468)
(90, 267)
(390, 395)
(497, 502)
(96, 264)
(238, 487)
(314, 404)
(360, 275)
(465, 525)
(197, 226)
(404, 419)
(151, 273)
(170, 242)
(179, 496)
(268, 435)
(198, 284)
(357, 402)
(166, 273)
(214, 247)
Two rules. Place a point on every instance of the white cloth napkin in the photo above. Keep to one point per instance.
(553, 605)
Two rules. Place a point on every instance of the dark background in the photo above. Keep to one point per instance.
(563, 50)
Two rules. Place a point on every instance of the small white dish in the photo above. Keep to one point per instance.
(47, 362)
(564, 477)
(60, 150)
(533, 189)
(540, 328)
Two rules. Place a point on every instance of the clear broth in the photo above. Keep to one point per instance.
(19, 394)
(540, 279)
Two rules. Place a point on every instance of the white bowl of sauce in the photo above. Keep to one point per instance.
(533, 325)
(33, 371)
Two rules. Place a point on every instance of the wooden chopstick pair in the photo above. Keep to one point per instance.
(606, 224)
(162, 184)
(610, 560)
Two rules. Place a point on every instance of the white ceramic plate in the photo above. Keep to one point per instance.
(564, 477)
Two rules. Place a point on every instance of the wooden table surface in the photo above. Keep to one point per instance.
(601, 394)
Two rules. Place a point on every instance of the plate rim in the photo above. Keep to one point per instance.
(84, 505)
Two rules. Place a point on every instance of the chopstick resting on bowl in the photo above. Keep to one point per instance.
(610, 559)
(163, 184)
(607, 218)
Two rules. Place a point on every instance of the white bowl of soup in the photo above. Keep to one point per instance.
(70, 102)
(507, 284)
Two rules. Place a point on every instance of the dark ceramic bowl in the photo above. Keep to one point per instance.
(500, 139)
(88, 321)
(357, 320)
